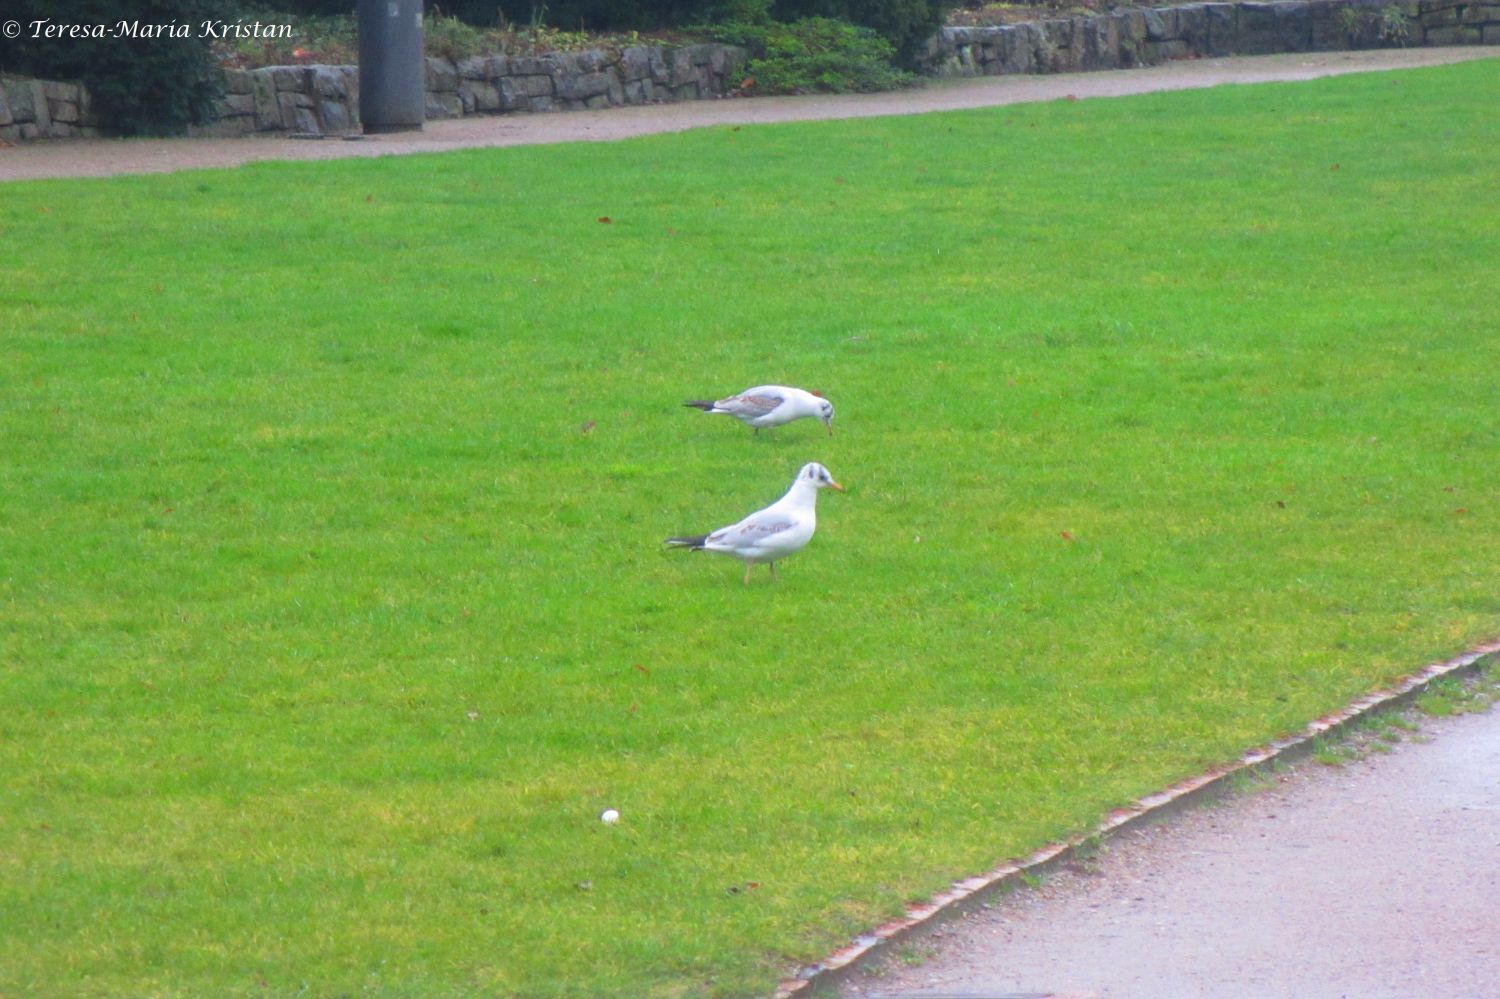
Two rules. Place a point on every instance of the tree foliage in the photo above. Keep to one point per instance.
(148, 66)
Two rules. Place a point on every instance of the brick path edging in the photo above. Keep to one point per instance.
(971, 893)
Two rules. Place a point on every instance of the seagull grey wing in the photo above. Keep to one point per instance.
(750, 406)
(758, 527)
(752, 530)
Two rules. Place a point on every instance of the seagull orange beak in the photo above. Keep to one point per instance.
(834, 485)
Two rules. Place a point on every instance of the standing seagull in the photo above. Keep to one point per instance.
(770, 406)
(781, 529)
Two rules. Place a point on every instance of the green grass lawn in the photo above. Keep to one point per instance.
(327, 630)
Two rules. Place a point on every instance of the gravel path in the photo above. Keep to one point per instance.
(101, 157)
(1375, 879)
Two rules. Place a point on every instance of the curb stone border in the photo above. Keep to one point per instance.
(971, 893)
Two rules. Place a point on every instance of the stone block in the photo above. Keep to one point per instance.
(1074, 46)
(1490, 34)
(6, 118)
(1223, 27)
(10, 133)
(1056, 52)
(442, 75)
(1444, 17)
(30, 130)
(294, 115)
(1156, 25)
(1257, 30)
(679, 66)
(582, 86)
(24, 96)
(480, 96)
(237, 81)
(597, 102)
(288, 79)
(533, 86)
(1017, 50)
(541, 103)
(1132, 25)
(531, 66)
(444, 105)
(483, 67)
(1101, 48)
(267, 108)
(635, 62)
(634, 91)
(1293, 27)
(329, 82)
(1192, 26)
(238, 104)
(1167, 51)
(85, 108)
(701, 55)
(336, 117)
(63, 93)
(591, 60)
(511, 95)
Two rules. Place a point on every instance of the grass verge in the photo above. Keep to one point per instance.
(332, 610)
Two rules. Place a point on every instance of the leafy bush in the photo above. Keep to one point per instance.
(142, 85)
(331, 39)
(581, 15)
(335, 40)
(816, 54)
(906, 24)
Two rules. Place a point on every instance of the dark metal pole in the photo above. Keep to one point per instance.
(392, 70)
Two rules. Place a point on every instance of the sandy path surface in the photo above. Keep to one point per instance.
(101, 157)
(1376, 879)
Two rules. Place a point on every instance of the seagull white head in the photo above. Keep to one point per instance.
(825, 412)
(817, 475)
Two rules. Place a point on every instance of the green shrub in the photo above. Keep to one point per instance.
(582, 15)
(816, 54)
(156, 83)
(906, 24)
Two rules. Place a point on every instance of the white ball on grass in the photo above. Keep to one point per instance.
(609, 816)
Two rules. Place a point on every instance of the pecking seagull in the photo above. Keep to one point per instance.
(770, 406)
(781, 529)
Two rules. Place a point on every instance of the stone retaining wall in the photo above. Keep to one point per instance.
(43, 109)
(324, 100)
(1144, 37)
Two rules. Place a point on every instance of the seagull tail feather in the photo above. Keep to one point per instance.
(702, 404)
(694, 543)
